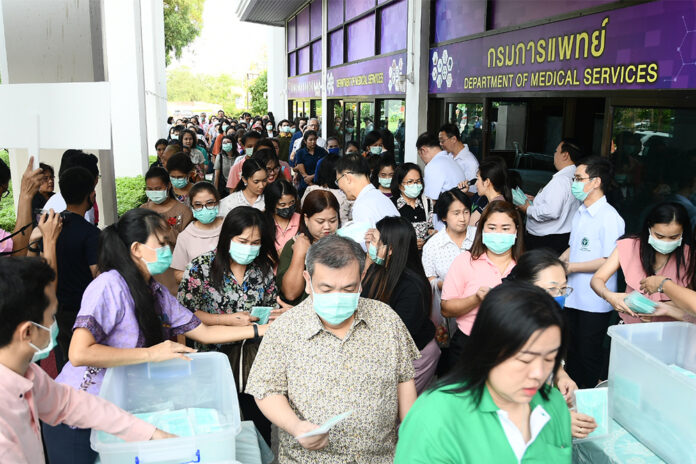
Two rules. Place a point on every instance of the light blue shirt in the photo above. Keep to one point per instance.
(593, 235)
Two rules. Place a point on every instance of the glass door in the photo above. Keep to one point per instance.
(366, 120)
(392, 117)
(468, 117)
(335, 122)
(350, 122)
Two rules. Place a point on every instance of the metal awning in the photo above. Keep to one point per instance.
(269, 12)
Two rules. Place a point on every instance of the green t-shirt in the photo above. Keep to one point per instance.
(449, 428)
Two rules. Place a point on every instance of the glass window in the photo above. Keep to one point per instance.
(654, 155)
(356, 7)
(468, 117)
(292, 64)
(336, 48)
(291, 34)
(303, 26)
(316, 55)
(315, 111)
(350, 123)
(335, 123)
(361, 38)
(392, 116)
(315, 19)
(335, 13)
(393, 27)
(367, 120)
(508, 125)
(303, 60)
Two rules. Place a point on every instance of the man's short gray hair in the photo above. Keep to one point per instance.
(313, 119)
(335, 252)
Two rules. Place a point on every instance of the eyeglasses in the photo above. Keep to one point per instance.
(273, 169)
(581, 179)
(412, 181)
(342, 176)
(560, 291)
(208, 205)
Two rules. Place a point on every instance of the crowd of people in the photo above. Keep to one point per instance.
(453, 315)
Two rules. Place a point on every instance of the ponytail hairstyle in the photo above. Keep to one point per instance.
(494, 169)
(137, 225)
(250, 167)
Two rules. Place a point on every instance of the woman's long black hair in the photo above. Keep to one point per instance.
(665, 213)
(137, 225)
(507, 318)
(400, 238)
(532, 262)
(250, 167)
(235, 222)
(162, 175)
(272, 195)
(494, 169)
(384, 161)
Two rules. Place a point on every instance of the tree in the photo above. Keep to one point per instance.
(183, 20)
(259, 91)
(185, 86)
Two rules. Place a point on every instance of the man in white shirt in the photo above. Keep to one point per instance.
(353, 178)
(550, 216)
(450, 140)
(595, 229)
(72, 158)
(441, 173)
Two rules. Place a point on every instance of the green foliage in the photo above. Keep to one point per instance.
(185, 86)
(130, 193)
(183, 20)
(7, 211)
(259, 94)
(152, 158)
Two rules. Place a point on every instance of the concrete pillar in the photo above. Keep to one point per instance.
(124, 70)
(417, 70)
(154, 71)
(324, 67)
(277, 74)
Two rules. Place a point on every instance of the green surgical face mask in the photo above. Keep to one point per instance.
(227, 147)
(413, 190)
(163, 261)
(42, 353)
(157, 196)
(179, 183)
(498, 243)
(243, 254)
(249, 151)
(206, 216)
(385, 182)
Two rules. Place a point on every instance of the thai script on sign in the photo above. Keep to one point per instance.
(547, 50)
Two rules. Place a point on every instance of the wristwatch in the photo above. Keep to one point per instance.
(659, 289)
(256, 332)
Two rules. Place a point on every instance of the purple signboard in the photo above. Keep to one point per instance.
(646, 46)
(374, 77)
(307, 86)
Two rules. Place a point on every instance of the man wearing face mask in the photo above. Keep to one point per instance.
(335, 353)
(596, 228)
(76, 253)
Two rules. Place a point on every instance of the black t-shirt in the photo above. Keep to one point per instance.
(408, 302)
(76, 251)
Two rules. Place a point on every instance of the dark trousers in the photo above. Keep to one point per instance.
(68, 446)
(585, 359)
(456, 350)
(556, 242)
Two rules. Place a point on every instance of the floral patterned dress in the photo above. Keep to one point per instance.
(197, 292)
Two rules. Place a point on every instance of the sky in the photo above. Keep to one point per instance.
(224, 45)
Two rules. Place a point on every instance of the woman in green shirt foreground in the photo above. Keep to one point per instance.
(496, 406)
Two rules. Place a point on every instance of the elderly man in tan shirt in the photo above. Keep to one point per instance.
(333, 353)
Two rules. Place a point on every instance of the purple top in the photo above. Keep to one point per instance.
(108, 312)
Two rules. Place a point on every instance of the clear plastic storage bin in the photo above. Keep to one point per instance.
(197, 399)
(651, 393)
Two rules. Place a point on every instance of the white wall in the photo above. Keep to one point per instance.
(154, 71)
(277, 73)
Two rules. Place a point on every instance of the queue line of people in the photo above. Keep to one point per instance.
(444, 291)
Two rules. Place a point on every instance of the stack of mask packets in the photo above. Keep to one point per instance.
(639, 303)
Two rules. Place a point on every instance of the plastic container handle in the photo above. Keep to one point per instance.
(193, 461)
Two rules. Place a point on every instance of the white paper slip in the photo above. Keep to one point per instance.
(326, 426)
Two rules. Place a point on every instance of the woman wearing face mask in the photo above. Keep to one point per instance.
(161, 200)
(662, 248)
(373, 143)
(306, 159)
(198, 155)
(395, 276)
(491, 184)
(201, 235)
(407, 195)
(270, 130)
(223, 285)
(181, 170)
(319, 219)
(541, 267)
(495, 406)
(276, 169)
(281, 205)
(497, 247)
(224, 162)
(382, 175)
(127, 317)
(249, 191)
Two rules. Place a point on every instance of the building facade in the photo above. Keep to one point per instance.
(515, 77)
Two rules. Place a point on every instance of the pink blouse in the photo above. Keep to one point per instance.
(629, 259)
